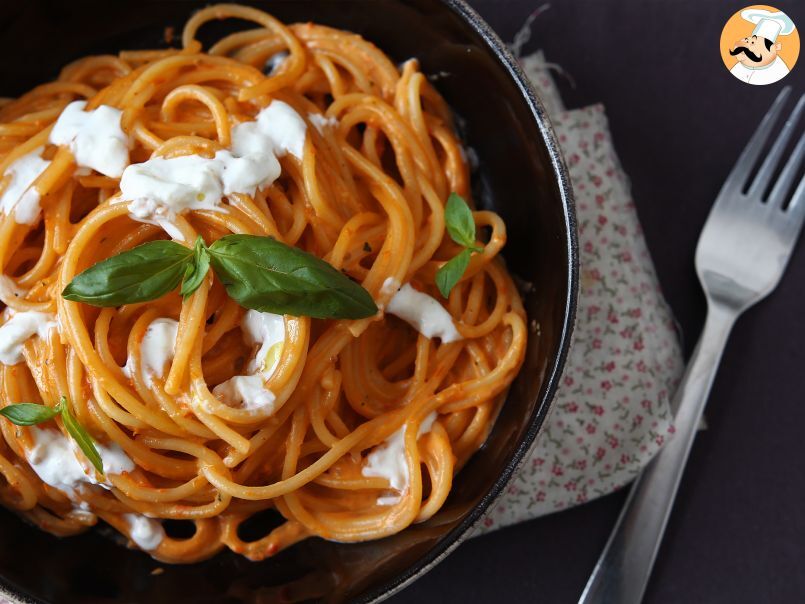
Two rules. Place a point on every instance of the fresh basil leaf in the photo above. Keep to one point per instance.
(28, 414)
(451, 271)
(459, 221)
(146, 272)
(196, 271)
(82, 438)
(264, 274)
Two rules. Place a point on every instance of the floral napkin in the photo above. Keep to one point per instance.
(612, 410)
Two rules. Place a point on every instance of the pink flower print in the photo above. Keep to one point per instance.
(606, 385)
(588, 247)
(599, 200)
(573, 159)
(635, 313)
(540, 496)
(600, 452)
(597, 181)
(590, 429)
(613, 442)
(488, 522)
(598, 137)
(594, 274)
(596, 344)
(612, 317)
(609, 367)
(557, 470)
(659, 440)
(597, 409)
(638, 344)
(570, 486)
(571, 407)
(580, 464)
(626, 257)
(602, 220)
(638, 419)
(568, 381)
(641, 366)
(625, 457)
(593, 310)
(538, 461)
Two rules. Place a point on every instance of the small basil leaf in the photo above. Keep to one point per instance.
(28, 414)
(196, 271)
(80, 436)
(146, 272)
(451, 271)
(264, 274)
(459, 221)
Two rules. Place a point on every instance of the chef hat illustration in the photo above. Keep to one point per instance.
(768, 24)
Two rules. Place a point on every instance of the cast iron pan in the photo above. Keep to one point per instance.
(520, 175)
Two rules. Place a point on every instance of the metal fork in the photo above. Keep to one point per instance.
(742, 253)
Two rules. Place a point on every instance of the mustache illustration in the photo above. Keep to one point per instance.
(743, 49)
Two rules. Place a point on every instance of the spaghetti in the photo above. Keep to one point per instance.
(366, 421)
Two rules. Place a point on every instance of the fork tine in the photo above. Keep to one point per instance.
(783, 184)
(772, 159)
(743, 166)
(797, 205)
(794, 216)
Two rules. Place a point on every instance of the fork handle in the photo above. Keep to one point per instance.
(623, 570)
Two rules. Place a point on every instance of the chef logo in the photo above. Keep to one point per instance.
(759, 45)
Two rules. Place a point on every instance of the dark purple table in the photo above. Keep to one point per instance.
(679, 120)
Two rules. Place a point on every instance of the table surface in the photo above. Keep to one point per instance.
(679, 120)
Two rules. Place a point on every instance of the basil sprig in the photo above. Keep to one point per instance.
(146, 272)
(263, 274)
(31, 414)
(259, 273)
(461, 228)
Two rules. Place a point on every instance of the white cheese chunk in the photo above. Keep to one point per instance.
(423, 313)
(146, 532)
(387, 460)
(160, 189)
(19, 197)
(18, 329)
(266, 330)
(246, 391)
(156, 349)
(284, 128)
(95, 137)
(55, 459)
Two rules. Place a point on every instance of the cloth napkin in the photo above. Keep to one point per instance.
(612, 409)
